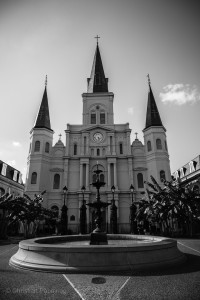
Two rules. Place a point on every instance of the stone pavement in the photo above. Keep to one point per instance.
(182, 282)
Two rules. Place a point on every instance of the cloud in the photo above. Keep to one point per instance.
(180, 94)
(130, 110)
(11, 163)
(16, 144)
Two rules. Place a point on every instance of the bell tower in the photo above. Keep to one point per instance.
(41, 139)
(157, 156)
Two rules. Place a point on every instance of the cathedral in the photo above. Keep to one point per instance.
(98, 140)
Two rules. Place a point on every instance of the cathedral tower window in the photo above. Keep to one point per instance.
(162, 175)
(56, 181)
(93, 118)
(75, 149)
(149, 148)
(140, 180)
(120, 148)
(98, 151)
(158, 144)
(37, 146)
(47, 147)
(102, 118)
(34, 178)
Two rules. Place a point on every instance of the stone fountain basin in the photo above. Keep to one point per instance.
(74, 254)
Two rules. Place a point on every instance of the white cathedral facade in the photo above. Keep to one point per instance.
(52, 167)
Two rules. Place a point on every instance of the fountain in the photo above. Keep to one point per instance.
(98, 251)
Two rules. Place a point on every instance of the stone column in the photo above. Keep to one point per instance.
(87, 176)
(115, 174)
(108, 174)
(81, 175)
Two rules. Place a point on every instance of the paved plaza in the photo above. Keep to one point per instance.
(182, 282)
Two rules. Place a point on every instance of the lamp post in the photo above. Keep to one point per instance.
(64, 218)
(113, 213)
(133, 209)
(83, 221)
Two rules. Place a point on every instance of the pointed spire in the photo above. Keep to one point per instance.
(97, 83)
(152, 116)
(43, 119)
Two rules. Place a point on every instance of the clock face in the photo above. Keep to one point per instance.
(98, 137)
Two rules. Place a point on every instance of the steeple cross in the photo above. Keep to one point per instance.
(46, 81)
(136, 135)
(97, 37)
(60, 136)
(149, 81)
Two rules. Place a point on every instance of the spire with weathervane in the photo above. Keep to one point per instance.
(43, 119)
(97, 83)
(152, 116)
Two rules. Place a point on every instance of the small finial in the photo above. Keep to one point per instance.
(97, 37)
(136, 135)
(60, 136)
(149, 81)
(46, 81)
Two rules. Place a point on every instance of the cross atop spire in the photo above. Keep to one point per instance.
(46, 80)
(60, 136)
(152, 115)
(136, 135)
(97, 37)
(149, 81)
(97, 83)
(43, 118)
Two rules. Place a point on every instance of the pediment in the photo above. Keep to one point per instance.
(97, 127)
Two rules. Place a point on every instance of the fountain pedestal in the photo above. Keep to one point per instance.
(98, 237)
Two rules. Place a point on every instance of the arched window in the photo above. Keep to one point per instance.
(47, 147)
(37, 146)
(149, 146)
(56, 182)
(93, 118)
(140, 180)
(102, 118)
(75, 149)
(162, 175)
(120, 148)
(56, 210)
(158, 144)
(98, 151)
(101, 177)
(34, 178)
(72, 218)
(94, 178)
(2, 191)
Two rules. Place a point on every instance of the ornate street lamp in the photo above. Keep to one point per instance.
(64, 218)
(133, 209)
(83, 220)
(113, 213)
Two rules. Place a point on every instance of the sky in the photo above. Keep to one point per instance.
(137, 37)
